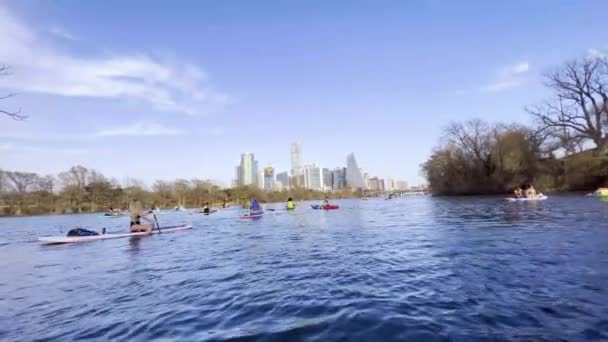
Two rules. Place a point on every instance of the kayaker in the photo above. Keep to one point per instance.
(601, 192)
(109, 212)
(290, 204)
(255, 206)
(206, 208)
(137, 215)
(325, 203)
(530, 192)
(518, 192)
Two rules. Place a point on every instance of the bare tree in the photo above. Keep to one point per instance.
(4, 71)
(579, 110)
(22, 182)
(472, 136)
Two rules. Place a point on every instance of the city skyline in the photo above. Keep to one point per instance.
(311, 175)
(113, 81)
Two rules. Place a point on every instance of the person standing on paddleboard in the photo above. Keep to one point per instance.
(137, 214)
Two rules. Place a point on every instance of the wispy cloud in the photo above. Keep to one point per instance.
(598, 53)
(501, 86)
(43, 68)
(516, 69)
(62, 33)
(509, 77)
(138, 129)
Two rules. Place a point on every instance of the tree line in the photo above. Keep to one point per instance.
(565, 149)
(80, 190)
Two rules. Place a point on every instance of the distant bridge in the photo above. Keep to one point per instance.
(409, 192)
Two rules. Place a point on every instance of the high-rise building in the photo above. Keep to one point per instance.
(313, 178)
(261, 179)
(381, 186)
(269, 178)
(283, 177)
(296, 159)
(354, 179)
(327, 179)
(374, 184)
(248, 170)
(390, 185)
(402, 185)
(339, 178)
(237, 176)
(366, 180)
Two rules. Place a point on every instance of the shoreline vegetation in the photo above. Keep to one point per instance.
(83, 190)
(565, 149)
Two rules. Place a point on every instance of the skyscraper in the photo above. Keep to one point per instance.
(247, 172)
(313, 177)
(261, 179)
(366, 180)
(374, 184)
(389, 184)
(269, 178)
(354, 179)
(339, 178)
(283, 177)
(327, 179)
(296, 159)
(402, 185)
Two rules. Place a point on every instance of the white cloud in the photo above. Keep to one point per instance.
(138, 129)
(597, 53)
(62, 33)
(501, 86)
(516, 69)
(42, 68)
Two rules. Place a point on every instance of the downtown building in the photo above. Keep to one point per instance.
(269, 183)
(312, 177)
(282, 179)
(328, 179)
(247, 171)
(296, 165)
(354, 178)
(338, 179)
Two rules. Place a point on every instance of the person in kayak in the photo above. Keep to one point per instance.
(109, 212)
(290, 204)
(137, 214)
(255, 206)
(325, 203)
(530, 192)
(518, 192)
(206, 208)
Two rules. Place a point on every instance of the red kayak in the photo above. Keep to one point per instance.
(326, 207)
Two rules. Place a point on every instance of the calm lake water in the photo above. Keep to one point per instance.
(416, 268)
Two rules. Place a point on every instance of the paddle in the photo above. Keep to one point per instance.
(157, 225)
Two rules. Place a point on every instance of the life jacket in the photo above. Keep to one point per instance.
(290, 205)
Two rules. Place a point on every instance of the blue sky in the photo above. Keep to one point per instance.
(164, 90)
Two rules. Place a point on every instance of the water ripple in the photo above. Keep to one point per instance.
(420, 268)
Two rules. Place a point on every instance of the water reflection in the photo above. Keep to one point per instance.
(373, 270)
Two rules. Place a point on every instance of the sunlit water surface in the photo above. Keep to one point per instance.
(416, 268)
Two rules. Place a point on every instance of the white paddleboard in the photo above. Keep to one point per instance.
(73, 239)
(525, 199)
